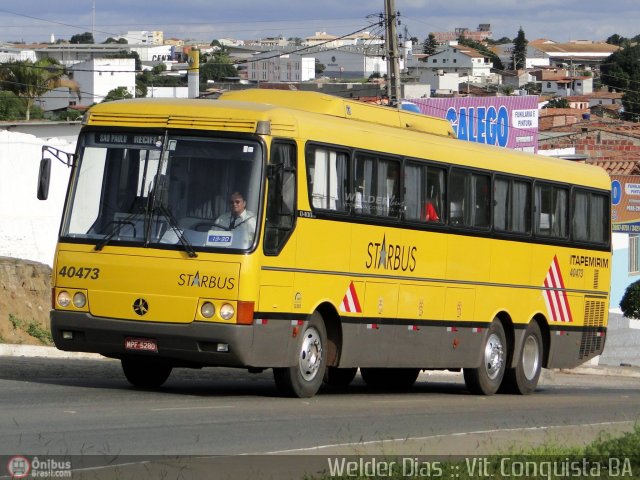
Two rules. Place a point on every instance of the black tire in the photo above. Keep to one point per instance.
(339, 377)
(523, 379)
(486, 379)
(144, 373)
(304, 378)
(393, 379)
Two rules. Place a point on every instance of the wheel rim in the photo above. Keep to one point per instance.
(493, 356)
(310, 354)
(530, 357)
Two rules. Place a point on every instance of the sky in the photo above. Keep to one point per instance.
(558, 20)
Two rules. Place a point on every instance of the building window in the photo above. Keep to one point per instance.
(634, 254)
(435, 60)
(455, 60)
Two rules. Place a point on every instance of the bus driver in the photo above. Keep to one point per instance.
(239, 220)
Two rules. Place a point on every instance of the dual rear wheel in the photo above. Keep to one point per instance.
(494, 374)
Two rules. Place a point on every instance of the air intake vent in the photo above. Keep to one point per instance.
(594, 315)
(596, 279)
(248, 126)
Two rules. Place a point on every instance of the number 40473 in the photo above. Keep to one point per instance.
(91, 273)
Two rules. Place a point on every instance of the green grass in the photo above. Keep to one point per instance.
(32, 328)
(38, 331)
(16, 323)
(605, 457)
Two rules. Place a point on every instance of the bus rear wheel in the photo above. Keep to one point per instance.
(486, 379)
(304, 378)
(523, 379)
(145, 374)
(396, 379)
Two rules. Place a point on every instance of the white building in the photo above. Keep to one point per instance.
(99, 76)
(452, 65)
(144, 37)
(466, 62)
(567, 86)
(153, 53)
(351, 62)
(278, 67)
(11, 54)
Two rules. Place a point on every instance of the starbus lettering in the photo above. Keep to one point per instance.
(206, 281)
(383, 256)
(481, 124)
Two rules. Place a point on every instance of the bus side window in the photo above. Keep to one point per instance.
(327, 176)
(551, 208)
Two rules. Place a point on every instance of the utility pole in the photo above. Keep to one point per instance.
(393, 66)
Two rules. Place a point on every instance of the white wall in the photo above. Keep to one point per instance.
(99, 76)
(29, 227)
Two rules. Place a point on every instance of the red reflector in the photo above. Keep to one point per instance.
(245, 313)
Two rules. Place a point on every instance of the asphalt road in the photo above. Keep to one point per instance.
(86, 408)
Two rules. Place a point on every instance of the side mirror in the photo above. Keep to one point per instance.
(44, 178)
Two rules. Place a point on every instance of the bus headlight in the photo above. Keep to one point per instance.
(227, 311)
(79, 300)
(64, 299)
(207, 309)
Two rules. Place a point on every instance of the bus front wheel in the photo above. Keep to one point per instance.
(486, 379)
(145, 374)
(523, 379)
(304, 378)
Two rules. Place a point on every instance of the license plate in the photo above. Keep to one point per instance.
(143, 344)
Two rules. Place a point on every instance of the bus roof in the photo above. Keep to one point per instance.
(315, 102)
(333, 120)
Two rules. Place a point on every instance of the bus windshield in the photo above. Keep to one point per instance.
(151, 189)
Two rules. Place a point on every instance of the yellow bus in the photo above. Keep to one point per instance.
(316, 236)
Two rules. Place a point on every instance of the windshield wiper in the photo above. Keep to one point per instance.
(173, 223)
(118, 226)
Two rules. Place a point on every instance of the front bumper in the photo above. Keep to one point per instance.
(194, 344)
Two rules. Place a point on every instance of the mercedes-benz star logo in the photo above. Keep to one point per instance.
(140, 306)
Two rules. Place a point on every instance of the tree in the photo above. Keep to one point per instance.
(11, 106)
(122, 41)
(520, 51)
(29, 80)
(120, 93)
(218, 67)
(320, 67)
(430, 45)
(86, 37)
(621, 71)
(630, 303)
(500, 41)
(482, 48)
(616, 39)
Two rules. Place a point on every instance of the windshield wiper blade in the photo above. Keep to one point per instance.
(118, 226)
(173, 223)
